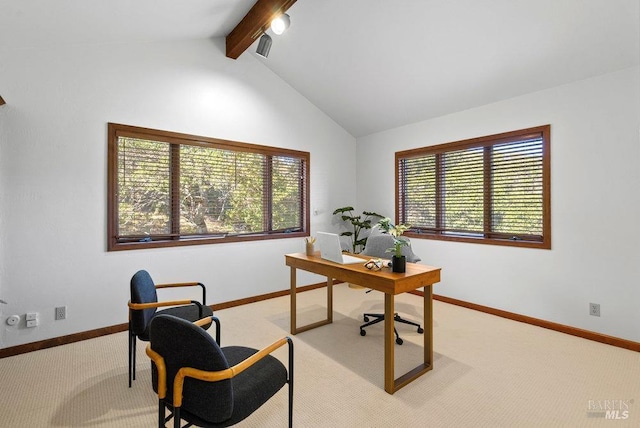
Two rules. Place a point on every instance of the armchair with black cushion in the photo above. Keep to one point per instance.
(377, 245)
(144, 304)
(208, 386)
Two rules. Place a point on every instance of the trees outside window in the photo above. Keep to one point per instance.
(168, 189)
(492, 190)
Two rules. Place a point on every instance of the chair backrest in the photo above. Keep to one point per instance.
(184, 344)
(376, 230)
(143, 290)
(378, 244)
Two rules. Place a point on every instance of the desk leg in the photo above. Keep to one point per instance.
(389, 357)
(391, 385)
(293, 281)
(330, 300)
(294, 327)
(428, 326)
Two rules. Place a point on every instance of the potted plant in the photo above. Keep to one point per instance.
(359, 223)
(398, 261)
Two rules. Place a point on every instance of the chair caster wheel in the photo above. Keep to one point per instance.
(399, 341)
(363, 333)
(366, 319)
(420, 330)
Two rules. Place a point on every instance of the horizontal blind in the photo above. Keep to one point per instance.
(417, 191)
(143, 191)
(463, 191)
(221, 191)
(516, 189)
(287, 193)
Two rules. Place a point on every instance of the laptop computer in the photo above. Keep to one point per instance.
(330, 249)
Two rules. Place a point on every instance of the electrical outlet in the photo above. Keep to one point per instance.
(61, 313)
(594, 309)
(32, 319)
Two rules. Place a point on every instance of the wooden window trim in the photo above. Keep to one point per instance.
(117, 130)
(486, 141)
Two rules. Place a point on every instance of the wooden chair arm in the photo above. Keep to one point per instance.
(229, 373)
(203, 321)
(187, 284)
(162, 371)
(141, 306)
(208, 320)
(179, 284)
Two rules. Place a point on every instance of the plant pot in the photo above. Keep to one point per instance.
(399, 264)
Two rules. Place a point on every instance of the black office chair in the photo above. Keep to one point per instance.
(209, 386)
(144, 304)
(376, 247)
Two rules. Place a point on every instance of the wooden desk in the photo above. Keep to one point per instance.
(390, 284)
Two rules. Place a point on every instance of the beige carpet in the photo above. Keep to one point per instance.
(489, 372)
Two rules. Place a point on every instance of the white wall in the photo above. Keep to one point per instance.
(53, 158)
(53, 185)
(595, 205)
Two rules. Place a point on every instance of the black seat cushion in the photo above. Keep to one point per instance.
(187, 312)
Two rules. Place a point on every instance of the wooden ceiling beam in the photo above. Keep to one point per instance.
(254, 24)
(1, 101)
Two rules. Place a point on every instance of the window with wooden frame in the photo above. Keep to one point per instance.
(170, 189)
(490, 190)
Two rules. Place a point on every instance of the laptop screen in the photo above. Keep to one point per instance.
(329, 244)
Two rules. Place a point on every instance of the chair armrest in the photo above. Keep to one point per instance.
(207, 320)
(229, 373)
(162, 371)
(179, 284)
(187, 284)
(141, 306)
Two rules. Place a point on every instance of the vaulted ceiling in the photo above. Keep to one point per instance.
(372, 65)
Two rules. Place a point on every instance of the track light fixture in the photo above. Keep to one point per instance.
(264, 46)
(280, 24)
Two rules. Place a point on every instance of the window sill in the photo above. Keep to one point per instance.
(544, 245)
(123, 246)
